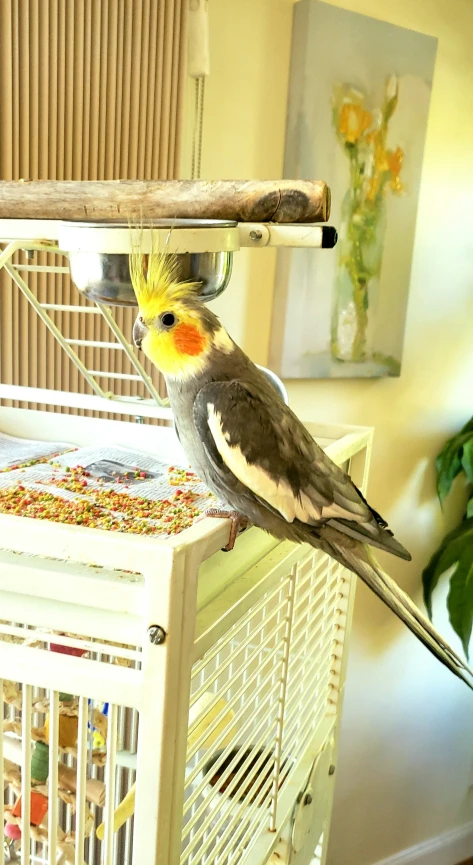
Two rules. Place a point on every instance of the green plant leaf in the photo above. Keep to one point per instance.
(468, 426)
(444, 557)
(455, 549)
(460, 598)
(449, 461)
(467, 459)
(469, 509)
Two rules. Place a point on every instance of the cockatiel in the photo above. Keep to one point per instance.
(250, 448)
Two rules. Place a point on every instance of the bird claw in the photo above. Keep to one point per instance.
(238, 524)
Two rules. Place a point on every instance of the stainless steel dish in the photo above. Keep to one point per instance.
(276, 382)
(105, 276)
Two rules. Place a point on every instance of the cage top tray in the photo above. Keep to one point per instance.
(93, 562)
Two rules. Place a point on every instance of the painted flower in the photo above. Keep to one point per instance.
(391, 96)
(395, 159)
(353, 121)
(374, 171)
(392, 88)
(363, 134)
(380, 157)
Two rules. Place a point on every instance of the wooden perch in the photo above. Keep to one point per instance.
(67, 778)
(282, 201)
(94, 789)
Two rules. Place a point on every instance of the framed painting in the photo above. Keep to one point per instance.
(357, 115)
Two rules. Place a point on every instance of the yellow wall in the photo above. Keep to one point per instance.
(407, 743)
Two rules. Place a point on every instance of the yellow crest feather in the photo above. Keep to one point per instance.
(155, 278)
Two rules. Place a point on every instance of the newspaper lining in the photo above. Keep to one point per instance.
(116, 469)
(16, 451)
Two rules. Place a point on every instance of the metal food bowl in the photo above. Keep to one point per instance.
(276, 383)
(104, 276)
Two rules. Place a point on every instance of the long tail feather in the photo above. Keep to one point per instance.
(359, 559)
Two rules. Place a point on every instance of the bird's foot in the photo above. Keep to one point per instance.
(239, 524)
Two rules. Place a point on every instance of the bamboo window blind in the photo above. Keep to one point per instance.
(90, 90)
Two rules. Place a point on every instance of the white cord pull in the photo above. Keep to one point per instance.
(198, 53)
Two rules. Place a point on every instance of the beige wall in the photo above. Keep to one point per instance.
(407, 743)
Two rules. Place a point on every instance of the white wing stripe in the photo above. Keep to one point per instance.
(277, 494)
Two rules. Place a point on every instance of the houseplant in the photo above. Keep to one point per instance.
(456, 549)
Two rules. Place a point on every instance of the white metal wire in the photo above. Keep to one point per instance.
(233, 629)
(93, 343)
(97, 373)
(273, 690)
(25, 775)
(123, 652)
(42, 309)
(81, 780)
(278, 753)
(255, 632)
(38, 268)
(258, 723)
(66, 307)
(249, 726)
(278, 692)
(53, 776)
(110, 778)
(2, 797)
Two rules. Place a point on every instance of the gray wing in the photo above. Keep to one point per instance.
(254, 440)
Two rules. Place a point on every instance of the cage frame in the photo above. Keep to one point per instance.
(190, 599)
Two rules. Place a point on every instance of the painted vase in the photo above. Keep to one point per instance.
(356, 290)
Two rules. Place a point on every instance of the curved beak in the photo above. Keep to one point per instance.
(139, 332)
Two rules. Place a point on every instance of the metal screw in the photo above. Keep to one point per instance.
(256, 235)
(331, 770)
(308, 799)
(156, 634)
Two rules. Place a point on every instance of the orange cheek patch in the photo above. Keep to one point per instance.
(188, 339)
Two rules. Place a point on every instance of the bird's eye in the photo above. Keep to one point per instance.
(141, 319)
(168, 319)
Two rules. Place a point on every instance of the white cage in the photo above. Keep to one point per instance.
(223, 674)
